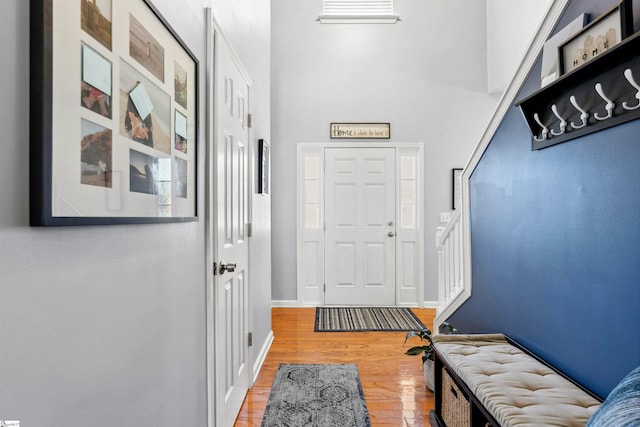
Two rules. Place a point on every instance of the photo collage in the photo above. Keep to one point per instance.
(143, 93)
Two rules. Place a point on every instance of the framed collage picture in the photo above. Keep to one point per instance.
(113, 115)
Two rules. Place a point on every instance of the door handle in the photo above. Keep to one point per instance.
(390, 234)
(230, 267)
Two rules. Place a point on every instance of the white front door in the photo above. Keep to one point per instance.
(360, 221)
(227, 231)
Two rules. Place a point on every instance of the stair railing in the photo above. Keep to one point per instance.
(452, 291)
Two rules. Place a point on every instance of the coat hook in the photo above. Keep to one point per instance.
(629, 75)
(563, 122)
(545, 131)
(609, 107)
(583, 114)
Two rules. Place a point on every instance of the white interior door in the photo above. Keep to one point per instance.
(360, 222)
(230, 207)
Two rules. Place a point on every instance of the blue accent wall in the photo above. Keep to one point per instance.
(556, 243)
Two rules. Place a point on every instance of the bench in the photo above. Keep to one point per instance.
(489, 380)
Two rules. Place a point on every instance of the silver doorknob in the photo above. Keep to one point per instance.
(390, 234)
(230, 267)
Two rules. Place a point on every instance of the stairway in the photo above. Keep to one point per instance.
(453, 241)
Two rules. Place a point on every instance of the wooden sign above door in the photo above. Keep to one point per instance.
(360, 131)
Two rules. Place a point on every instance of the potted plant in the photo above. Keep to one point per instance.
(426, 350)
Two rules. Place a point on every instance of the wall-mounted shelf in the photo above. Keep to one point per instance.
(602, 93)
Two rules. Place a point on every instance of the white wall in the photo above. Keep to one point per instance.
(511, 25)
(105, 325)
(427, 75)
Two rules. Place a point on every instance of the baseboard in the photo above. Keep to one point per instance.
(294, 303)
(262, 355)
(284, 303)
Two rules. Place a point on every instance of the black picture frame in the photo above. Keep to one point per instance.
(456, 187)
(83, 146)
(264, 161)
(573, 53)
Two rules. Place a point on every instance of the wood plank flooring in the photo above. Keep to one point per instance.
(393, 383)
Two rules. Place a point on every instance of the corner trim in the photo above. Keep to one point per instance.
(262, 356)
(358, 19)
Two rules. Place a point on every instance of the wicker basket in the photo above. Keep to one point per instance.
(456, 409)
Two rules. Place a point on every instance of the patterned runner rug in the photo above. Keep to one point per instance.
(359, 319)
(315, 396)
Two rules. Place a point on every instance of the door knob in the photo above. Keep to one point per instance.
(230, 267)
(390, 234)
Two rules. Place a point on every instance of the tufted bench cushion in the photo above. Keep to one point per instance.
(514, 387)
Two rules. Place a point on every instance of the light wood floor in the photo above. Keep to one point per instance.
(393, 383)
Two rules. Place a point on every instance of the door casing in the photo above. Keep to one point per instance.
(217, 414)
(409, 214)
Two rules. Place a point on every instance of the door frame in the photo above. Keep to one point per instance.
(310, 221)
(214, 37)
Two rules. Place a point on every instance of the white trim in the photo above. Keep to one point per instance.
(210, 217)
(354, 19)
(441, 317)
(554, 13)
(284, 303)
(294, 304)
(262, 356)
(430, 304)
